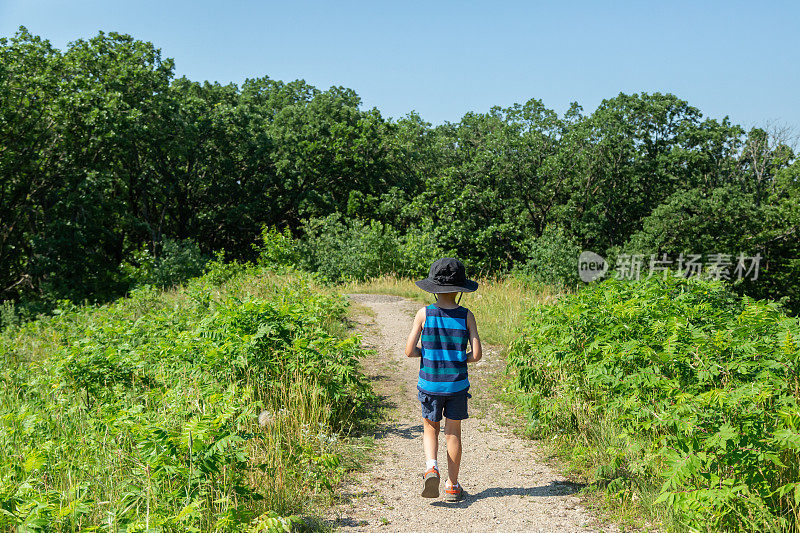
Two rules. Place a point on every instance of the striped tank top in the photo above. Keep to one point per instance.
(443, 366)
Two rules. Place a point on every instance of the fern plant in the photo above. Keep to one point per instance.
(699, 387)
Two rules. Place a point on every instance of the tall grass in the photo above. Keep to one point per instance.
(499, 305)
(144, 414)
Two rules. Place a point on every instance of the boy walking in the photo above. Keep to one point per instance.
(446, 329)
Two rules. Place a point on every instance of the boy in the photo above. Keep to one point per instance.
(446, 329)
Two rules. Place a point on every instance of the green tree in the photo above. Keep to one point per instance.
(29, 70)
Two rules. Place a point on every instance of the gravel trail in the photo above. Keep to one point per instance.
(508, 486)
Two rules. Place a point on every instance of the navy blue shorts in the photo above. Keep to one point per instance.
(453, 407)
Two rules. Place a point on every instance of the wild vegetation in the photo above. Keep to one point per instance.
(672, 392)
(103, 149)
(214, 407)
(140, 408)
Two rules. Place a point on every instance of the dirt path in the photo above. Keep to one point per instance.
(508, 488)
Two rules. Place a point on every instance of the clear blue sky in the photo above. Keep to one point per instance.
(443, 59)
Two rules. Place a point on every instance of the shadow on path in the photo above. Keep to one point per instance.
(555, 488)
(346, 521)
(401, 430)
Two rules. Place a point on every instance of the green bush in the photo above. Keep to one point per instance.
(341, 249)
(218, 271)
(674, 387)
(351, 249)
(277, 250)
(418, 250)
(8, 314)
(176, 262)
(144, 414)
(552, 258)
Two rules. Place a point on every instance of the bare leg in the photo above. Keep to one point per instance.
(452, 434)
(430, 438)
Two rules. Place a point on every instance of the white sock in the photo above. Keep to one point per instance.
(430, 463)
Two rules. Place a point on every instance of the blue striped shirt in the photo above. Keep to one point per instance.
(443, 366)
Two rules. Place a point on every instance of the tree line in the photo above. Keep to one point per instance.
(108, 161)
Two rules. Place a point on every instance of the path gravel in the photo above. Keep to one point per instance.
(508, 486)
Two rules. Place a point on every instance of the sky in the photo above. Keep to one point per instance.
(444, 59)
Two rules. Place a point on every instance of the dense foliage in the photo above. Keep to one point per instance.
(676, 392)
(212, 408)
(106, 158)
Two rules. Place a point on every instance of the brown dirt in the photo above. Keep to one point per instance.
(509, 487)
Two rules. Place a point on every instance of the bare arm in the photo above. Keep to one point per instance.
(474, 339)
(412, 350)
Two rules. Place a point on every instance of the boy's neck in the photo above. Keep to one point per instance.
(447, 300)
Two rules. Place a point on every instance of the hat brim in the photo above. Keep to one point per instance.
(435, 288)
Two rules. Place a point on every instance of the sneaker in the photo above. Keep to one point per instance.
(430, 483)
(454, 493)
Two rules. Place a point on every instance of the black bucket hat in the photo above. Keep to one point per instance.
(447, 275)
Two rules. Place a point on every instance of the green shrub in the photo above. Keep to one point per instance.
(277, 250)
(418, 250)
(176, 262)
(351, 249)
(552, 258)
(8, 314)
(675, 386)
(218, 271)
(144, 414)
